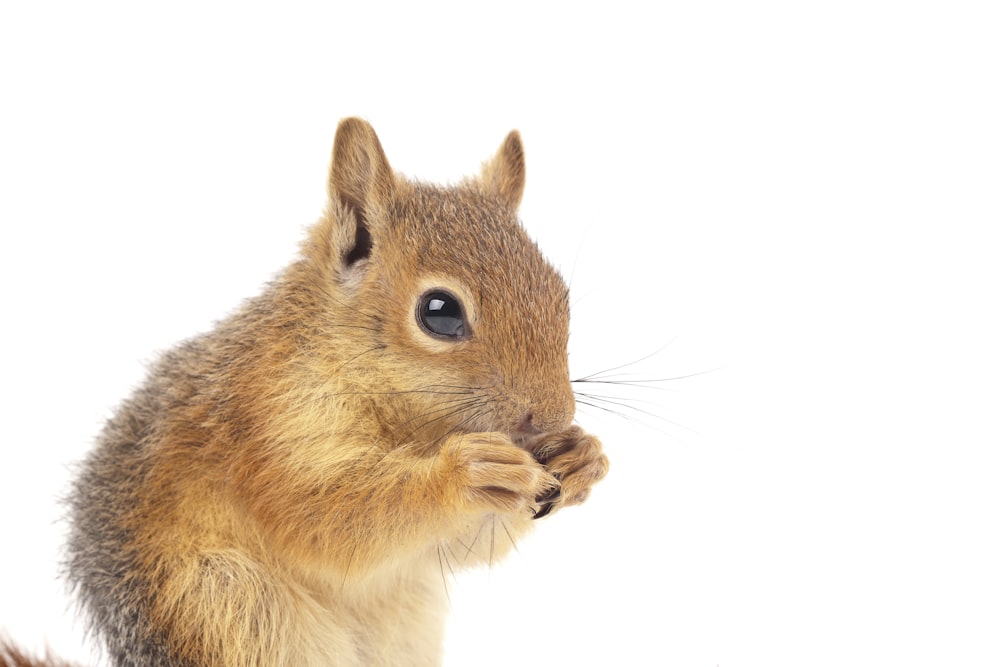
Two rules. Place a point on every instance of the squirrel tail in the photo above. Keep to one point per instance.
(11, 656)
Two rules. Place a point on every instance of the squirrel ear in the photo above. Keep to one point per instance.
(360, 178)
(504, 174)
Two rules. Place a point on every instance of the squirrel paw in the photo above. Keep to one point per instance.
(496, 475)
(576, 459)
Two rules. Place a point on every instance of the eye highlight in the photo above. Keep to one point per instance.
(440, 314)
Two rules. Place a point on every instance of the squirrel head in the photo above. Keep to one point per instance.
(435, 304)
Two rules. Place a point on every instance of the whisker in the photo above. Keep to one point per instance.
(480, 410)
(350, 563)
(619, 400)
(631, 363)
(450, 406)
(468, 548)
(493, 539)
(444, 410)
(358, 356)
(447, 561)
(622, 404)
(600, 378)
(473, 407)
(605, 409)
(401, 392)
(510, 537)
(634, 419)
(351, 326)
(449, 409)
(444, 580)
(473, 543)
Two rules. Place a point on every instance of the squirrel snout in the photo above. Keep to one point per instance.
(527, 425)
(544, 419)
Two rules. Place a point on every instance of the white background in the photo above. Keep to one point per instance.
(799, 197)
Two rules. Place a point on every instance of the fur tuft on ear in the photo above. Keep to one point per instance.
(360, 179)
(504, 175)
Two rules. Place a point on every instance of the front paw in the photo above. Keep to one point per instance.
(490, 473)
(576, 459)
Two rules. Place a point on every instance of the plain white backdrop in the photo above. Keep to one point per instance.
(801, 198)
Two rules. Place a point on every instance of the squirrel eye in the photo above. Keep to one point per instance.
(440, 314)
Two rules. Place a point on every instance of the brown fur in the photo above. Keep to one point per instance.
(11, 656)
(291, 488)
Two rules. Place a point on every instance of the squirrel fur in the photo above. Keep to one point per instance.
(291, 487)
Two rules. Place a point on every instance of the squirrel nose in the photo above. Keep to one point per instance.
(536, 422)
(543, 410)
(526, 425)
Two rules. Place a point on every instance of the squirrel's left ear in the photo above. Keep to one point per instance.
(503, 175)
(361, 180)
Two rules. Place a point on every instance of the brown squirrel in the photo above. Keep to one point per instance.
(291, 487)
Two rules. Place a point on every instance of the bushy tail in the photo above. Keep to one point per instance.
(11, 656)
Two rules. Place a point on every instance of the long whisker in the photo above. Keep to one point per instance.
(624, 401)
(601, 378)
(350, 562)
(446, 549)
(622, 404)
(596, 404)
(450, 406)
(455, 406)
(444, 580)
(474, 412)
(473, 543)
(631, 363)
(352, 326)
(510, 537)
(493, 539)
(448, 409)
(358, 356)
(401, 392)
(468, 548)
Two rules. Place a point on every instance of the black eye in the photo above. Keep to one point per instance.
(440, 313)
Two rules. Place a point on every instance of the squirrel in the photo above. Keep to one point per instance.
(291, 487)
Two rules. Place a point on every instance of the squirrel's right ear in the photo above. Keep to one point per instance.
(504, 174)
(360, 179)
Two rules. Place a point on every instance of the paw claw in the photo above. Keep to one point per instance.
(576, 460)
(541, 511)
(551, 495)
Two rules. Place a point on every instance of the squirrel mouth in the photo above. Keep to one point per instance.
(526, 441)
(525, 434)
(523, 440)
